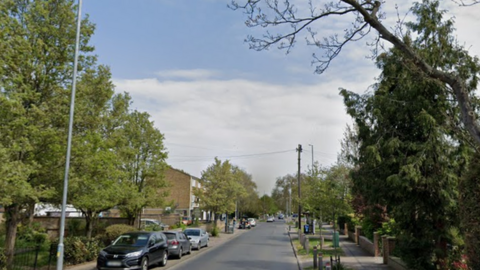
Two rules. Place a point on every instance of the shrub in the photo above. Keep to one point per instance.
(76, 227)
(32, 234)
(3, 259)
(215, 231)
(153, 228)
(196, 222)
(80, 249)
(113, 231)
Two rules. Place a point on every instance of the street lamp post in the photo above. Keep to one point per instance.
(60, 249)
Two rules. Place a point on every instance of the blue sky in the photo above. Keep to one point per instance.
(185, 63)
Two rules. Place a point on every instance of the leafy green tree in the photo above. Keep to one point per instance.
(219, 188)
(37, 47)
(246, 201)
(410, 158)
(143, 161)
(95, 168)
(285, 191)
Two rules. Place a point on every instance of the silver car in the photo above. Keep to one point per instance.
(178, 244)
(198, 237)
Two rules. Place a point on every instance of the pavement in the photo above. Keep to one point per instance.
(355, 257)
(213, 243)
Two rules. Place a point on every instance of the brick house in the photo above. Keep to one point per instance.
(181, 195)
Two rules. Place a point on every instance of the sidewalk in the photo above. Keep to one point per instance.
(355, 257)
(213, 243)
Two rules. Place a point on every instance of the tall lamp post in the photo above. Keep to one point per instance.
(69, 142)
(311, 145)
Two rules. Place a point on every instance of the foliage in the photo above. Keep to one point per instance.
(219, 186)
(114, 231)
(326, 192)
(3, 259)
(215, 231)
(469, 211)
(32, 234)
(410, 156)
(80, 249)
(143, 156)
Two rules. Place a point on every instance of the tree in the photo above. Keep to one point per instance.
(37, 47)
(285, 190)
(247, 202)
(410, 157)
(219, 188)
(95, 168)
(143, 161)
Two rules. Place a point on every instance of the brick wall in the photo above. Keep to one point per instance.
(180, 189)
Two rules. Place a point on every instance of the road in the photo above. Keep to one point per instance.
(264, 247)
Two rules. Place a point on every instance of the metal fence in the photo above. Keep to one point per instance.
(35, 257)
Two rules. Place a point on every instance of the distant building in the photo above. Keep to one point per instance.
(181, 194)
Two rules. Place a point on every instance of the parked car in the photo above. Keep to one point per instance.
(252, 222)
(187, 220)
(244, 224)
(146, 222)
(270, 219)
(178, 243)
(134, 250)
(198, 237)
(281, 216)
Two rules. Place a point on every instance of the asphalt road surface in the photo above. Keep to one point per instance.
(264, 247)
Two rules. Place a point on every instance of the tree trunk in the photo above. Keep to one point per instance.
(13, 218)
(88, 224)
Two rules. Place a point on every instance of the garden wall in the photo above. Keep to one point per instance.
(367, 245)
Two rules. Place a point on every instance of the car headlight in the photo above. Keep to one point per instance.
(133, 254)
(102, 253)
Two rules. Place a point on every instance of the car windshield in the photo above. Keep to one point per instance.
(170, 236)
(136, 240)
(192, 232)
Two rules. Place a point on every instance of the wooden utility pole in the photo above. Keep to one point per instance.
(299, 150)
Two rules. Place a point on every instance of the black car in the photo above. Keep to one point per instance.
(178, 243)
(135, 250)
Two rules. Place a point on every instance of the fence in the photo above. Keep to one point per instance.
(35, 257)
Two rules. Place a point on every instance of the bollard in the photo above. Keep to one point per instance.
(314, 257)
(320, 261)
(307, 245)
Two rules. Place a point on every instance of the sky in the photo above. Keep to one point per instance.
(185, 62)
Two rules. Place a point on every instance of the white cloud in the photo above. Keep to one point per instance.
(202, 119)
(194, 74)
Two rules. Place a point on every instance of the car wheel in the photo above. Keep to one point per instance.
(180, 253)
(144, 265)
(163, 262)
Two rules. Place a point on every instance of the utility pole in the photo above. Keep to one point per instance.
(299, 150)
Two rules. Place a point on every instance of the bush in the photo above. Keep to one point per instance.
(3, 259)
(113, 231)
(76, 227)
(32, 234)
(215, 231)
(153, 228)
(80, 249)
